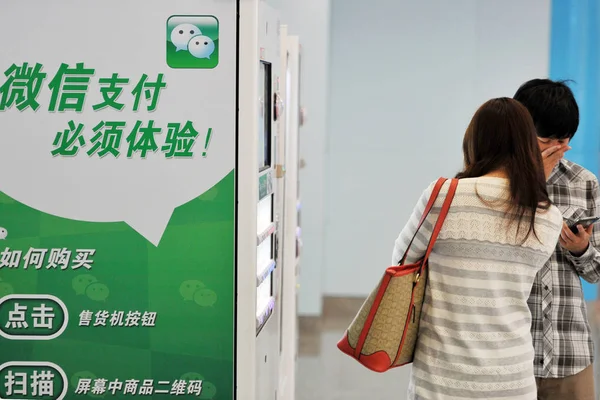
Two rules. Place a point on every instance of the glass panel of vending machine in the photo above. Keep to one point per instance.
(300, 165)
(265, 255)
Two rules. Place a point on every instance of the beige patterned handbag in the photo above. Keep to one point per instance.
(384, 332)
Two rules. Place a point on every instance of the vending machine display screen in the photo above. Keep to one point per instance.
(264, 119)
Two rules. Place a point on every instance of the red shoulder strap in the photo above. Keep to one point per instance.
(441, 218)
(434, 195)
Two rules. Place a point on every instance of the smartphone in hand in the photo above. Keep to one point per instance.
(585, 222)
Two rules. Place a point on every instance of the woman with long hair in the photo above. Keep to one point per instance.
(474, 336)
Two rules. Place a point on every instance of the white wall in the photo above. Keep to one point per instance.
(405, 78)
(309, 19)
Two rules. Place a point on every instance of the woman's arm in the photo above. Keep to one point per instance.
(419, 245)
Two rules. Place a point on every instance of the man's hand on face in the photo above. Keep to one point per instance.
(552, 155)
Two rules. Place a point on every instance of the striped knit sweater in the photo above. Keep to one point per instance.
(474, 338)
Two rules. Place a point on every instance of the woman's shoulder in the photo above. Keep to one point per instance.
(489, 187)
(552, 216)
(431, 187)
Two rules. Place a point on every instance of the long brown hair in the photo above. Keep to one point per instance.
(502, 136)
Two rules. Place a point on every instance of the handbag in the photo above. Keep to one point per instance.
(384, 333)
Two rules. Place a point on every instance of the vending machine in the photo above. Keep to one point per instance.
(261, 200)
(268, 216)
(290, 206)
(139, 227)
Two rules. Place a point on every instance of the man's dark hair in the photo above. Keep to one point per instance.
(552, 106)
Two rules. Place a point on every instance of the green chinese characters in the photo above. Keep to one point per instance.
(82, 375)
(140, 140)
(69, 87)
(34, 380)
(22, 87)
(111, 89)
(32, 316)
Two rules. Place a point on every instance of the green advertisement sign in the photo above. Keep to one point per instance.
(117, 199)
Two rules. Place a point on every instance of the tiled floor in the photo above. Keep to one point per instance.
(324, 373)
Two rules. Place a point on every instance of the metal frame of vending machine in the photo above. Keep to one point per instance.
(290, 258)
(258, 275)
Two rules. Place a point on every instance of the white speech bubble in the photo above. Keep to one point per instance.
(142, 193)
(201, 46)
(181, 35)
(3, 233)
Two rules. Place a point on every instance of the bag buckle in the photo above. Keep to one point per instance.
(417, 278)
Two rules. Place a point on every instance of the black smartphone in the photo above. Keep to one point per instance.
(585, 222)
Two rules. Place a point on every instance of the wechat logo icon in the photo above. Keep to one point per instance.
(192, 41)
(181, 35)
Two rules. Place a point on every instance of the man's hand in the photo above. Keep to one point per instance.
(551, 156)
(578, 243)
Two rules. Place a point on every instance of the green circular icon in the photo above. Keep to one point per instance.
(81, 375)
(97, 291)
(209, 390)
(81, 282)
(6, 289)
(191, 376)
(188, 288)
(205, 298)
